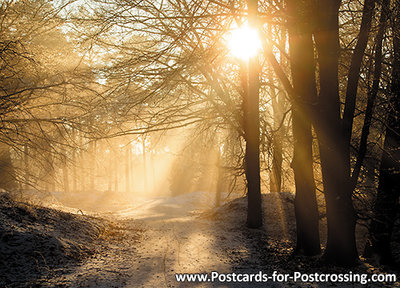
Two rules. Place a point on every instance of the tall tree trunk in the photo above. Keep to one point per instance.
(335, 162)
(110, 169)
(74, 163)
(65, 172)
(305, 95)
(275, 181)
(386, 205)
(92, 163)
(387, 202)
(49, 179)
(278, 106)
(145, 185)
(372, 94)
(153, 172)
(127, 168)
(7, 172)
(26, 167)
(219, 183)
(354, 71)
(252, 132)
(115, 170)
(81, 176)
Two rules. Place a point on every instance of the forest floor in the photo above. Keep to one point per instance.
(145, 244)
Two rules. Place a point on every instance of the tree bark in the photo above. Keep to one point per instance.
(81, 176)
(335, 161)
(26, 167)
(372, 94)
(387, 202)
(252, 133)
(355, 66)
(305, 94)
(74, 163)
(275, 181)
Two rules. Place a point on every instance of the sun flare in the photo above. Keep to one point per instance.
(244, 42)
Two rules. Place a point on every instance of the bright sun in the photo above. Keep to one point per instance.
(244, 42)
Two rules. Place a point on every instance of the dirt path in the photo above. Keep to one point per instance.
(146, 244)
(178, 238)
(176, 241)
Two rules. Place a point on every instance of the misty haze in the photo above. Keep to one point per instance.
(199, 143)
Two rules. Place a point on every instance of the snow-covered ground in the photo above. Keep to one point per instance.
(151, 240)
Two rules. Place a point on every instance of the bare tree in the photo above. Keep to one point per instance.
(387, 202)
(304, 98)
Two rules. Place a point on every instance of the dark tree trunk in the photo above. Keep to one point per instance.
(80, 177)
(355, 66)
(26, 167)
(252, 133)
(305, 94)
(372, 94)
(387, 202)
(386, 205)
(335, 162)
(74, 164)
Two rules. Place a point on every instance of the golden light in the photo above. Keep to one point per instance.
(244, 42)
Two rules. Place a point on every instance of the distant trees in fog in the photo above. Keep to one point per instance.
(84, 85)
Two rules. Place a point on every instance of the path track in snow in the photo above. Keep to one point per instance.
(178, 238)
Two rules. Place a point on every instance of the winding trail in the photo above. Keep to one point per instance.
(176, 241)
(178, 238)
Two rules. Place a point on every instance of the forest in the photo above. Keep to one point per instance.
(199, 143)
